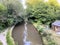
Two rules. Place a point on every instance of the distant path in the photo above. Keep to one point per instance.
(33, 35)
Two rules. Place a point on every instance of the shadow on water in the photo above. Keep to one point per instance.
(26, 34)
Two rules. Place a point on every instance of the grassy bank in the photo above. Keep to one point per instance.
(9, 38)
(45, 34)
(1, 43)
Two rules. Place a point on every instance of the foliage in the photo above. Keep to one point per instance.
(2, 7)
(1, 43)
(39, 27)
(50, 40)
(3, 11)
(53, 2)
(10, 13)
(9, 38)
(44, 12)
(45, 34)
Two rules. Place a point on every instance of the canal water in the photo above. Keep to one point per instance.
(26, 34)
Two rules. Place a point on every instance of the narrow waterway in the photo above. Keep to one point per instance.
(26, 35)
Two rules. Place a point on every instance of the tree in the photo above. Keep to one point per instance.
(3, 11)
(11, 11)
(53, 2)
(44, 12)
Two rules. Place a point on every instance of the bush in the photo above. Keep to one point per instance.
(9, 38)
(39, 26)
(1, 43)
(2, 8)
(10, 13)
(41, 11)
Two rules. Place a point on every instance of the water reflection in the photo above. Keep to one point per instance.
(26, 42)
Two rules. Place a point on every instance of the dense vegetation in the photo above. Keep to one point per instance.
(43, 12)
(10, 13)
(1, 43)
(9, 38)
(40, 13)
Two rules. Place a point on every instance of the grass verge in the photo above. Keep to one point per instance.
(1, 43)
(9, 38)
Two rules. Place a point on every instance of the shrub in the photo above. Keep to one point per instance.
(1, 43)
(44, 12)
(9, 38)
(10, 13)
(2, 8)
